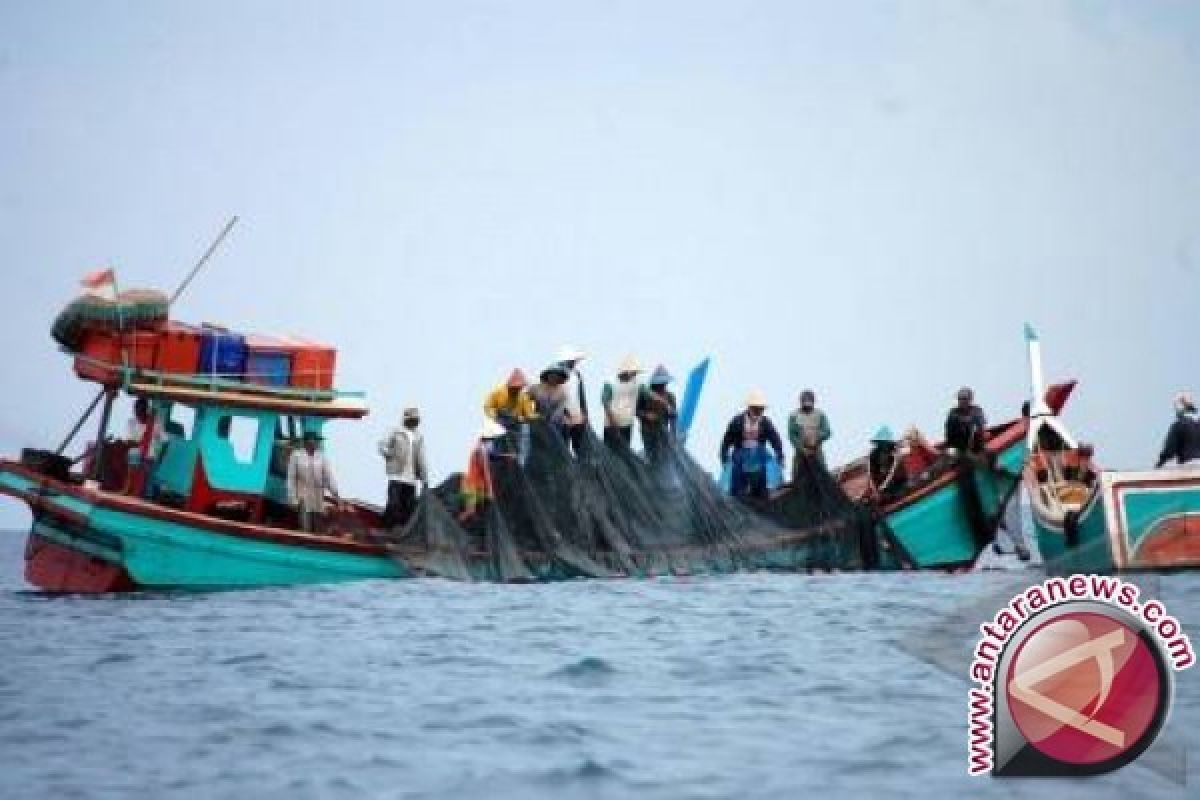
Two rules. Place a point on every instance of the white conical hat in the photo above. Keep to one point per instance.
(570, 353)
(491, 430)
(629, 364)
(756, 399)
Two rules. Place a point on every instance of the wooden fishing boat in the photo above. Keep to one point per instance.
(213, 512)
(954, 505)
(1093, 520)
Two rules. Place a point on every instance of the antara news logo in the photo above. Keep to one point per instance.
(1075, 677)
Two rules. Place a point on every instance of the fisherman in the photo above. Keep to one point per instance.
(549, 397)
(403, 452)
(966, 426)
(888, 477)
(478, 488)
(658, 414)
(576, 416)
(1077, 464)
(511, 405)
(1183, 437)
(309, 477)
(620, 399)
(145, 435)
(746, 439)
(808, 430)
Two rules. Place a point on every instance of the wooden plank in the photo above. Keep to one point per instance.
(339, 409)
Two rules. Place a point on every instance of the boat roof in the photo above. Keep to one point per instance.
(338, 407)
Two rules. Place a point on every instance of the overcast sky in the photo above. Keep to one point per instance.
(869, 198)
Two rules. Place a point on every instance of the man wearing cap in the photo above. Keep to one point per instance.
(887, 474)
(309, 477)
(746, 439)
(403, 452)
(549, 399)
(620, 400)
(808, 430)
(1183, 437)
(966, 426)
(575, 396)
(657, 412)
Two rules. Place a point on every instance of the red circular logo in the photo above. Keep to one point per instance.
(1085, 688)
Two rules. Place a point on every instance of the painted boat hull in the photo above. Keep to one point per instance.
(934, 529)
(930, 526)
(1132, 521)
(89, 541)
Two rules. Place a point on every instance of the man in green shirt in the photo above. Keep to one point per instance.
(808, 429)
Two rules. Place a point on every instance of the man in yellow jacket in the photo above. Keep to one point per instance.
(510, 405)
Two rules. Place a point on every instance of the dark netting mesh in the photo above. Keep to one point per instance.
(610, 511)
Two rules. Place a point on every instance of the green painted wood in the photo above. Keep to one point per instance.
(935, 530)
(1092, 553)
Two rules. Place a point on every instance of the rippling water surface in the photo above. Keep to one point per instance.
(746, 686)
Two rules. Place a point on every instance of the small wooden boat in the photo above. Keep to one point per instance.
(1092, 520)
(954, 504)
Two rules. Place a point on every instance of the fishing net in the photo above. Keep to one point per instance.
(610, 511)
(133, 309)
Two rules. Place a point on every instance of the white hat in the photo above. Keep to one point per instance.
(569, 353)
(1185, 402)
(629, 364)
(491, 429)
(756, 399)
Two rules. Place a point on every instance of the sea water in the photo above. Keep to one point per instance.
(747, 686)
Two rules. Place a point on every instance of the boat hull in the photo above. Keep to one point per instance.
(934, 529)
(89, 541)
(80, 542)
(1132, 521)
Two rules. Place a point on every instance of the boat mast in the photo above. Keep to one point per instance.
(212, 248)
(1037, 403)
(1040, 413)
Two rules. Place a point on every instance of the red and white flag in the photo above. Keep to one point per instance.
(100, 280)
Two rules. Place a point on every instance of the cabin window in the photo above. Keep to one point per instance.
(181, 421)
(242, 434)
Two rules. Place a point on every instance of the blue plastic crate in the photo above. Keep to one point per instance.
(268, 362)
(222, 354)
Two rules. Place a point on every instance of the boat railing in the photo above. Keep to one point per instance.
(217, 382)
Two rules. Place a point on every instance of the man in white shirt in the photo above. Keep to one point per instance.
(576, 398)
(309, 476)
(403, 452)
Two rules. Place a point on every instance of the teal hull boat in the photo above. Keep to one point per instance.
(948, 515)
(1116, 521)
(88, 540)
(1090, 520)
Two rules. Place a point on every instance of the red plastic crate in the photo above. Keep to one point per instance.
(179, 349)
(313, 363)
(103, 353)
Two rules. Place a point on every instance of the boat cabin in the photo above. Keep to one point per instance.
(225, 454)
